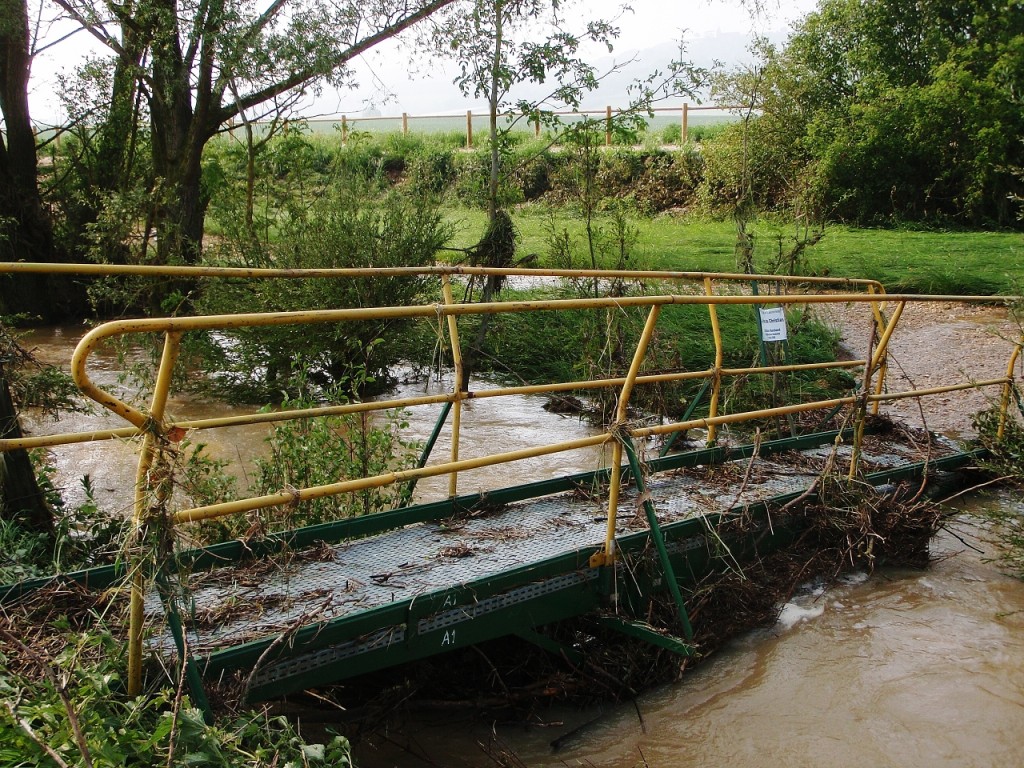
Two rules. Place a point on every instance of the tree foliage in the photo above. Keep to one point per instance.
(887, 110)
(350, 222)
(196, 65)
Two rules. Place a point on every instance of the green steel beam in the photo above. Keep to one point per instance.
(659, 540)
(643, 631)
(192, 675)
(399, 613)
(581, 598)
(577, 600)
(428, 448)
(704, 387)
(96, 578)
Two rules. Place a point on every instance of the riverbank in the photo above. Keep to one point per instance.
(963, 342)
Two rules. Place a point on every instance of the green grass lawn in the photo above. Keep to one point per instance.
(923, 260)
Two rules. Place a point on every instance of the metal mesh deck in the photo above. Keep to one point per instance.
(231, 605)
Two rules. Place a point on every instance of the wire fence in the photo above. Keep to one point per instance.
(660, 119)
(686, 116)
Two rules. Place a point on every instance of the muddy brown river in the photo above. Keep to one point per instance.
(902, 668)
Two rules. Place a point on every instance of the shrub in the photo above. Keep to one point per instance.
(325, 450)
(354, 225)
(64, 706)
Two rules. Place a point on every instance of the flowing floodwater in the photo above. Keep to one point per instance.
(905, 668)
(911, 668)
(489, 425)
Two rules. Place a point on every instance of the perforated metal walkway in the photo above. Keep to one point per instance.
(334, 609)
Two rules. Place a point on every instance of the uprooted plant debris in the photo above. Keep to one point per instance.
(37, 626)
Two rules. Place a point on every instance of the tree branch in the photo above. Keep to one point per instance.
(306, 75)
(96, 29)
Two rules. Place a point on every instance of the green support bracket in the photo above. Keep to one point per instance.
(648, 634)
(828, 416)
(551, 646)
(659, 539)
(686, 417)
(192, 676)
(428, 448)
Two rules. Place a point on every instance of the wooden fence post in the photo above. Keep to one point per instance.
(536, 127)
(405, 123)
(607, 126)
(469, 129)
(684, 135)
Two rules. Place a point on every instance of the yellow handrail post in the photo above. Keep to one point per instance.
(716, 384)
(459, 387)
(607, 556)
(882, 350)
(1007, 389)
(155, 433)
(876, 359)
(877, 310)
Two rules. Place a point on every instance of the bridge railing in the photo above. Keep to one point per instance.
(710, 290)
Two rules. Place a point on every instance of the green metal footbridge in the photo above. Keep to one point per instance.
(302, 608)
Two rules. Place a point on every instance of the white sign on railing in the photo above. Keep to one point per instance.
(773, 324)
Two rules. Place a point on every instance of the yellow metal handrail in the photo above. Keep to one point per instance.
(155, 429)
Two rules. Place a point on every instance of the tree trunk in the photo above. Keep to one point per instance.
(20, 496)
(493, 97)
(26, 233)
(111, 166)
(179, 132)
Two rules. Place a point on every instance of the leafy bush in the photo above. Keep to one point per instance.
(352, 226)
(749, 164)
(672, 133)
(24, 554)
(63, 706)
(325, 450)
(668, 180)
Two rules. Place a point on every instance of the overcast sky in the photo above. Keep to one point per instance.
(713, 29)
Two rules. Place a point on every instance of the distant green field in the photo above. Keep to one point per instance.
(457, 122)
(927, 261)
